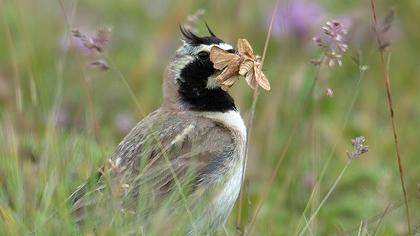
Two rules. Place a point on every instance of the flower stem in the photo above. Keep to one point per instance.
(251, 118)
(308, 223)
(391, 114)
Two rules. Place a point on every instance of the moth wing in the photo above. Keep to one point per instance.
(250, 79)
(229, 82)
(245, 67)
(221, 58)
(261, 79)
(227, 73)
(245, 49)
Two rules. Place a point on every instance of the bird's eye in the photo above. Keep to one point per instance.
(203, 55)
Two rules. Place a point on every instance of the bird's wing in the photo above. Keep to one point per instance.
(164, 154)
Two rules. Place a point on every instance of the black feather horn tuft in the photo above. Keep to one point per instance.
(193, 39)
(189, 36)
(209, 30)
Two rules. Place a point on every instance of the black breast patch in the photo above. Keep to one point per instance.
(193, 91)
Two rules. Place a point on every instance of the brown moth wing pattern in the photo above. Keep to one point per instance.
(245, 64)
(260, 77)
(244, 48)
(221, 58)
(245, 67)
(229, 63)
(249, 77)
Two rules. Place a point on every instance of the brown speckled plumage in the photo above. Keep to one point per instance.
(193, 158)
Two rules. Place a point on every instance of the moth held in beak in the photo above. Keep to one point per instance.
(243, 63)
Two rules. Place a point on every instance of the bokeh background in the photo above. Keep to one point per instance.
(61, 117)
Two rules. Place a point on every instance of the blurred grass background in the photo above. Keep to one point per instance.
(61, 119)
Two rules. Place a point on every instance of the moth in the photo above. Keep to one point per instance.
(244, 63)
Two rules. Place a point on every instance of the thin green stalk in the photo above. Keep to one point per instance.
(323, 171)
(124, 80)
(251, 116)
(378, 218)
(326, 197)
(381, 219)
(273, 175)
(387, 82)
(359, 232)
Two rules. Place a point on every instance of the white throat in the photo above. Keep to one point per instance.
(231, 119)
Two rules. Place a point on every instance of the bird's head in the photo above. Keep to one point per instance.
(190, 77)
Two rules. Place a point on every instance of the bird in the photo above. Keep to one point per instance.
(180, 168)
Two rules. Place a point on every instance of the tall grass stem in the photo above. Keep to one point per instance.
(251, 116)
(308, 223)
(387, 82)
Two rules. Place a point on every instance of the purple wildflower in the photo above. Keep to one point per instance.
(124, 122)
(298, 18)
(96, 43)
(332, 42)
(102, 64)
(93, 45)
(61, 118)
(309, 182)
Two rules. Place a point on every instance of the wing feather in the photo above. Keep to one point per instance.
(156, 164)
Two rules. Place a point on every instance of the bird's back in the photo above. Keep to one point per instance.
(183, 165)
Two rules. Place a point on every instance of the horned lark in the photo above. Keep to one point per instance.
(182, 164)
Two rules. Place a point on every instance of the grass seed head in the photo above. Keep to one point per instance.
(332, 43)
(359, 147)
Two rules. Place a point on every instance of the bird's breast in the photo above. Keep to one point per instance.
(232, 179)
(231, 120)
